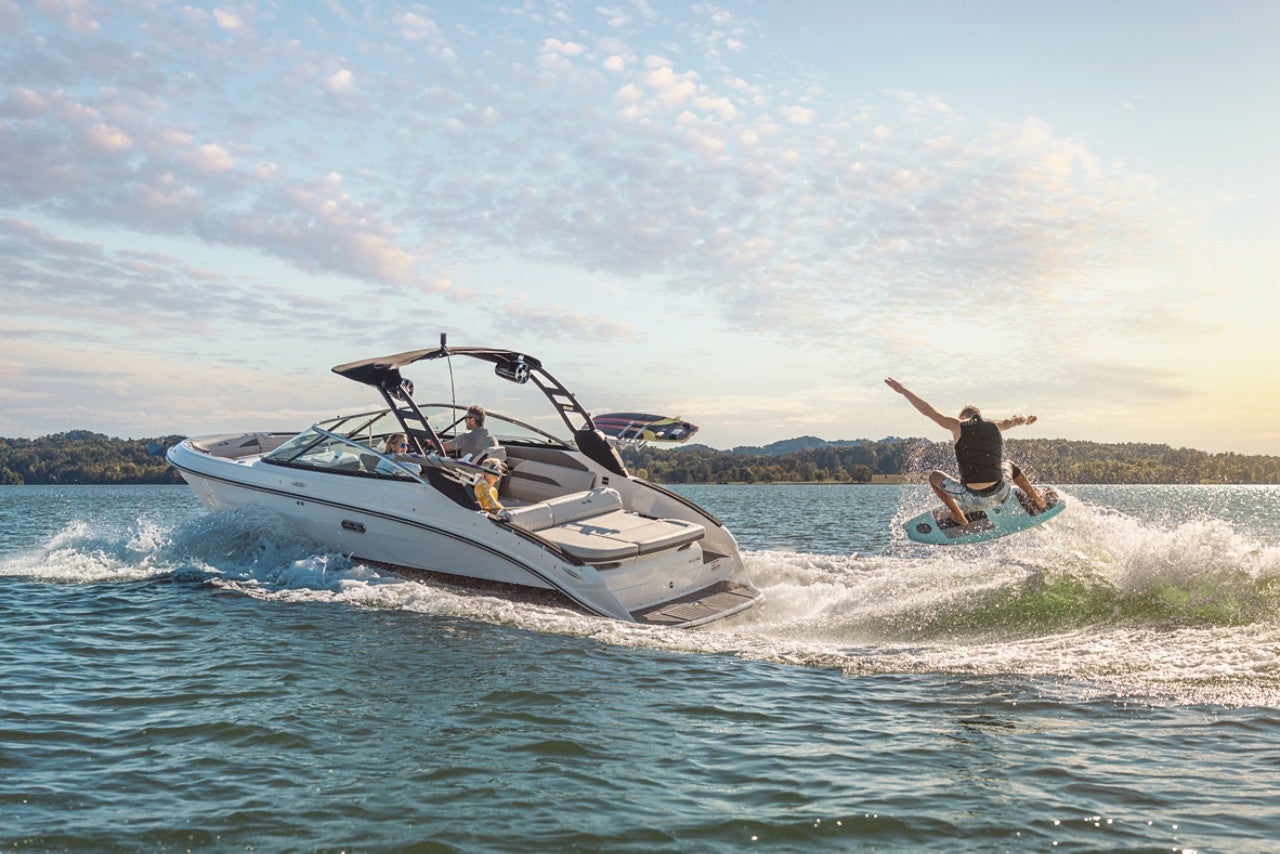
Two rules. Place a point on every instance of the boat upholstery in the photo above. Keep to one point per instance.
(594, 527)
(619, 536)
(566, 508)
(534, 480)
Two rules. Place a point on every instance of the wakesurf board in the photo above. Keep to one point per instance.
(639, 427)
(937, 528)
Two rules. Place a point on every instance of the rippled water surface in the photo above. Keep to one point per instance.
(172, 679)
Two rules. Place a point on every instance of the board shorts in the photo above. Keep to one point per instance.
(979, 499)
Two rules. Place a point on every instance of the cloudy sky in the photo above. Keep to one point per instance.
(744, 213)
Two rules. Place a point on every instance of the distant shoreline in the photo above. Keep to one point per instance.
(895, 460)
(81, 457)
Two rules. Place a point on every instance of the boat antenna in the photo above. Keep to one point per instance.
(453, 394)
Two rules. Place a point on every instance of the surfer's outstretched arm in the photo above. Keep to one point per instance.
(946, 422)
(1015, 420)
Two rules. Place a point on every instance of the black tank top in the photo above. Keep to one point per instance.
(980, 451)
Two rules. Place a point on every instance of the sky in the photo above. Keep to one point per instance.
(745, 214)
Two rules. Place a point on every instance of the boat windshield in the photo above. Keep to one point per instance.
(317, 449)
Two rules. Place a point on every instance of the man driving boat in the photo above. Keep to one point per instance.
(476, 440)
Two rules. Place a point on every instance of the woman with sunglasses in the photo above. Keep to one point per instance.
(397, 444)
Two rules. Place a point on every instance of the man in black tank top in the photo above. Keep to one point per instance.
(984, 473)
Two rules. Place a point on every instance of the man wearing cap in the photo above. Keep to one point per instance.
(476, 440)
(979, 445)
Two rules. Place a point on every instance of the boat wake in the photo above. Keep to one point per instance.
(1181, 611)
(1176, 611)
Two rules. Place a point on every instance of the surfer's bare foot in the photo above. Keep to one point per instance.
(959, 518)
(1029, 489)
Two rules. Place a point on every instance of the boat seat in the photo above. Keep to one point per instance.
(589, 547)
(341, 461)
(594, 527)
(544, 514)
(621, 536)
(496, 452)
(532, 517)
(534, 480)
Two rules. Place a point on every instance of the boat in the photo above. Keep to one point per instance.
(576, 524)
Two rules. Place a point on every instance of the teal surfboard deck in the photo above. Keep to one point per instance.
(936, 527)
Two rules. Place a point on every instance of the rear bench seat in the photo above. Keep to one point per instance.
(594, 527)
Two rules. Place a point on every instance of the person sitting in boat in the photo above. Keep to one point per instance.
(979, 446)
(397, 444)
(486, 488)
(476, 440)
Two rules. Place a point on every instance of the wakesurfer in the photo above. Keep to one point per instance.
(979, 445)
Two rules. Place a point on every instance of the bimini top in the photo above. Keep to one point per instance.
(384, 371)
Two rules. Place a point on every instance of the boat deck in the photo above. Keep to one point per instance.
(722, 599)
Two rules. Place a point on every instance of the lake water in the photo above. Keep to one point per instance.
(172, 679)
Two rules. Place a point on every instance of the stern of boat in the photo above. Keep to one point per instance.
(657, 571)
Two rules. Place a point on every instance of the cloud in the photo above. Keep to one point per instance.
(541, 323)
(416, 28)
(212, 158)
(24, 103)
(68, 287)
(798, 115)
(558, 48)
(120, 391)
(671, 89)
(642, 148)
(108, 139)
(228, 20)
(383, 257)
(362, 171)
(65, 161)
(340, 82)
(615, 16)
(559, 57)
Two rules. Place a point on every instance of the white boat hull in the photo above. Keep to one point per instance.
(407, 523)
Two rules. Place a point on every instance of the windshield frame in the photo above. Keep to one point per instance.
(318, 449)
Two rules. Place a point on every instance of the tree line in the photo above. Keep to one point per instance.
(1044, 460)
(80, 456)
